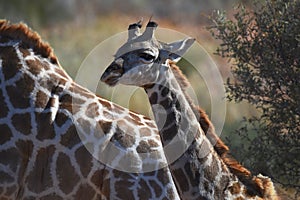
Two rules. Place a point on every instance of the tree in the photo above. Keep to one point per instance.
(263, 47)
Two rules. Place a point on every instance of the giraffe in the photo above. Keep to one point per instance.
(58, 140)
(202, 171)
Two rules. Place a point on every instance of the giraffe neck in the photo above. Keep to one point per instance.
(198, 172)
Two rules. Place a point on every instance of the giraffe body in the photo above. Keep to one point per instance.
(60, 141)
(199, 170)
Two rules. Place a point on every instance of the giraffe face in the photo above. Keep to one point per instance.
(139, 67)
(141, 59)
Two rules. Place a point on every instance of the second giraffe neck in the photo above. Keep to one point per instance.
(197, 169)
(173, 114)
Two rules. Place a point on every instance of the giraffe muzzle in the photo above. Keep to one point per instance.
(112, 74)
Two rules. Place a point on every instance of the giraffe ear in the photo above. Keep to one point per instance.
(177, 49)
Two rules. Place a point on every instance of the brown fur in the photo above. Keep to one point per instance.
(266, 186)
(254, 187)
(28, 39)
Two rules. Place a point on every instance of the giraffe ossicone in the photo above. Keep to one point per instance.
(199, 170)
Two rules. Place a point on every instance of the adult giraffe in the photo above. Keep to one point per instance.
(54, 132)
(201, 172)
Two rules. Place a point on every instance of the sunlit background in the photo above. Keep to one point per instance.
(74, 28)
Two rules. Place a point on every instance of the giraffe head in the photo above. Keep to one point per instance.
(142, 58)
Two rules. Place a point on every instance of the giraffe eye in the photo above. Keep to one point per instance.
(146, 57)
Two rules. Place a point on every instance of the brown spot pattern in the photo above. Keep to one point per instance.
(117, 109)
(144, 191)
(10, 190)
(6, 133)
(84, 160)
(171, 118)
(170, 133)
(51, 197)
(19, 93)
(105, 126)
(193, 173)
(166, 103)
(92, 110)
(35, 66)
(85, 192)
(145, 131)
(70, 138)
(61, 72)
(153, 98)
(153, 143)
(41, 99)
(157, 189)
(66, 173)
(165, 91)
(134, 116)
(130, 120)
(124, 182)
(40, 178)
(22, 123)
(10, 62)
(25, 52)
(161, 175)
(70, 103)
(45, 129)
(3, 106)
(6, 178)
(143, 147)
(150, 124)
(61, 119)
(11, 158)
(124, 139)
(101, 180)
(25, 149)
(29, 198)
(105, 104)
(181, 179)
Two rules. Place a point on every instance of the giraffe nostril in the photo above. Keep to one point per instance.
(112, 74)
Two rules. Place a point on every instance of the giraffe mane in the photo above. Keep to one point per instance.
(28, 38)
(253, 186)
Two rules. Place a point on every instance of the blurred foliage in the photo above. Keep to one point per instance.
(36, 12)
(263, 45)
(44, 13)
